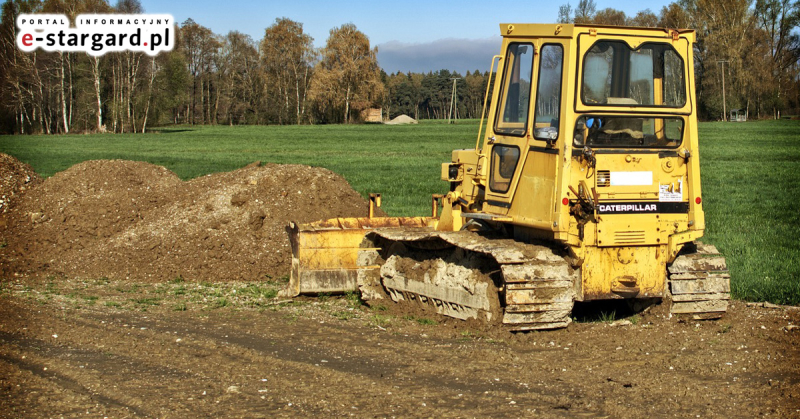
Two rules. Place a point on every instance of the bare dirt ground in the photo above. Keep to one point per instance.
(93, 324)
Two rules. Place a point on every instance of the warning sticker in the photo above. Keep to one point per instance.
(672, 192)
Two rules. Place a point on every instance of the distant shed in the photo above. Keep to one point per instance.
(372, 115)
(738, 115)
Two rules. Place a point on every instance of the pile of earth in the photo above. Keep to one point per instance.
(402, 120)
(15, 178)
(133, 220)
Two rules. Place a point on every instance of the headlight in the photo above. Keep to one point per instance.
(452, 173)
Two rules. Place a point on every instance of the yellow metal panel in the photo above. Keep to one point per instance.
(696, 214)
(329, 258)
(339, 238)
(533, 200)
(628, 230)
(538, 30)
(610, 272)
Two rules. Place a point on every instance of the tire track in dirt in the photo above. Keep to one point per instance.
(318, 350)
(167, 384)
(376, 356)
(65, 382)
(218, 359)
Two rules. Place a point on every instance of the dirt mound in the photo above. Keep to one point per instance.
(15, 178)
(134, 220)
(402, 119)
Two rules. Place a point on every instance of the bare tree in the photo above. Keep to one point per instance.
(237, 68)
(674, 16)
(565, 13)
(585, 11)
(199, 44)
(288, 57)
(644, 18)
(778, 18)
(96, 6)
(725, 32)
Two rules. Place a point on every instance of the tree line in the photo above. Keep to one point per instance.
(206, 79)
(209, 79)
(283, 79)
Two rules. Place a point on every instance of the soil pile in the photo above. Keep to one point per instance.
(15, 178)
(134, 220)
(401, 120)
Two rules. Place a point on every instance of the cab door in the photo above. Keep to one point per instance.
(535, 193)
(510, 132)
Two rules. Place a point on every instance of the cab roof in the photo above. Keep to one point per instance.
(565, 30)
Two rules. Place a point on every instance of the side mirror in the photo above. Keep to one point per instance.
(549, 134)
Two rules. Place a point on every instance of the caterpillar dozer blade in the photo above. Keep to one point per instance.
(460, 274)
(324, 253)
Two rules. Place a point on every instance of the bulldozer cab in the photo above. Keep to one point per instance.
(601, 115)
(590, 142)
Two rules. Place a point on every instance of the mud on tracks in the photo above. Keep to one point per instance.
(138, 221)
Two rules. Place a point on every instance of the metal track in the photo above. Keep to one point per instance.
(535, 290)
(699, 283)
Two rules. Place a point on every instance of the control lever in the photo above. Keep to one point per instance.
(585, 201)
(584, 209)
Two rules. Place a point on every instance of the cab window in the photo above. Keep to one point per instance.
(512, 117)
(616, 75)
(606, 131)
(548, 93)
(504, 164)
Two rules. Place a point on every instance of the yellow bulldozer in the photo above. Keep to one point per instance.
(584, 185)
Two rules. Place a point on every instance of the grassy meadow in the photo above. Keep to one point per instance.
(403, 162)
(751, 176)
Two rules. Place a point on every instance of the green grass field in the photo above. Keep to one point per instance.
(751, 176)
(401, 162)
(751, 194)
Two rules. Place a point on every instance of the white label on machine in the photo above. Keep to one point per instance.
(672, 192)
(631, 178)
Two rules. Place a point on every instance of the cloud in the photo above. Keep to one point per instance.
(459, 55)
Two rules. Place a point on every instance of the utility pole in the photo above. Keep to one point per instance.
(724, 103)
(453, 102)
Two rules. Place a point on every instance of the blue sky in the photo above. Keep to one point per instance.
(411, 35)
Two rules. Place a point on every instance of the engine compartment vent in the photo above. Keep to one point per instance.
(629, 237)
(603, 178)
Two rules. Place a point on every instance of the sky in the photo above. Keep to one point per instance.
(411, 35)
